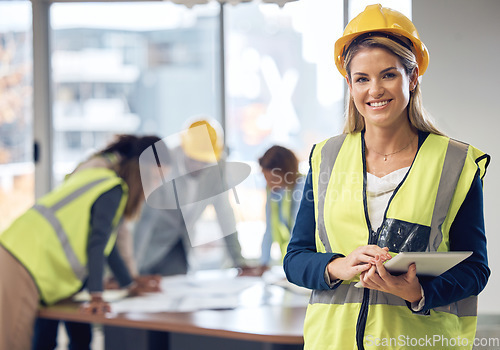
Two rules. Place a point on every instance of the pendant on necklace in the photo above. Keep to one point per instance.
(385, 158)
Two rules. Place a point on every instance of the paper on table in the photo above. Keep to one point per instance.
(108, 295)
(276, 276)
(189, 293)
(164, 303)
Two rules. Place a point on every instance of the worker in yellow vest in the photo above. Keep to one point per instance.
(390, 183)
(50, 251)
(284, 183)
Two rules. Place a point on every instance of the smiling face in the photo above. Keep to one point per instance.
(380, 87)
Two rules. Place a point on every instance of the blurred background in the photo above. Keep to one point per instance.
(74, 74)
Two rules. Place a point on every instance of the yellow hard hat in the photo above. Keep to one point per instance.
(199, 145)
(376, 18)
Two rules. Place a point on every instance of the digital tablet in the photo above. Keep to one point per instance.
(427, 263)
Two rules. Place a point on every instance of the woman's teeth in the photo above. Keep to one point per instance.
(379, 104)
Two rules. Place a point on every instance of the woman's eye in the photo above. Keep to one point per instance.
(389, 75)
(361, 80)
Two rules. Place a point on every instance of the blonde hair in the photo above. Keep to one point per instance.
(417, 115)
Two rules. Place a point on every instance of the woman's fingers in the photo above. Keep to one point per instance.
(371, 252)
(382, 272)
(369, 278)
(361, 268)
(406, 286)
(91, 308)
(412, 272)
(358, 261)
(374, 251)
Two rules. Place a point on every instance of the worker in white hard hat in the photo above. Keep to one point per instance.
(390, 183)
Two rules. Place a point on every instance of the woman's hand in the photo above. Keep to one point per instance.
(405, 286)
(358, 261)
(96, 306)
(111, 283)
(145, 284)
(252, 270)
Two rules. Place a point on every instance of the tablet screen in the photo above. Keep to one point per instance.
(428, 263)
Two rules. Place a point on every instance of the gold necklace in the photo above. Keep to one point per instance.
(390, 154)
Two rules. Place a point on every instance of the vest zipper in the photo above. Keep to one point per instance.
(361, 324)
(372, 239)
(363, 312)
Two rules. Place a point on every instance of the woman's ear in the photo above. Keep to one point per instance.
(414, 79)
(348, 83)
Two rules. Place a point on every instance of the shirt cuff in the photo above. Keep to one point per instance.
(331, 284)
(419, 305)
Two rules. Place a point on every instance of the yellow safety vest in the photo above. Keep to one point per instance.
(281, 220)
(50, 239)
(418, 218)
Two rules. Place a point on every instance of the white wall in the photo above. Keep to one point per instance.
(461, 89)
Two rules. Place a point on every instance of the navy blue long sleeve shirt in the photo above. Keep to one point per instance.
(305, 266)
(102, 215)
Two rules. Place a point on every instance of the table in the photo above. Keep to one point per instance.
(267, 316)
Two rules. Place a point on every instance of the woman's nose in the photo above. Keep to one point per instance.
(376, 90)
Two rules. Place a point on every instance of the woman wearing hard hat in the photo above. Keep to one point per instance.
(390, 183)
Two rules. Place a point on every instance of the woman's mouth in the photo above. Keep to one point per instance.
(378, 103)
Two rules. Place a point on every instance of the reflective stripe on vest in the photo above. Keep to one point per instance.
(49, 215)
(50, 239)
(452, 168)
(281, 220)
(329, 152)
(347, 293)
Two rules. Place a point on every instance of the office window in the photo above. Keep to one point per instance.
(403, 6)
(16, 136)
(147, 67)
(139, 68)
(282, 85)
(282, 88)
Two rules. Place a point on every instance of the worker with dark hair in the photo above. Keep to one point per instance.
(63, 241)
(280, 167)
